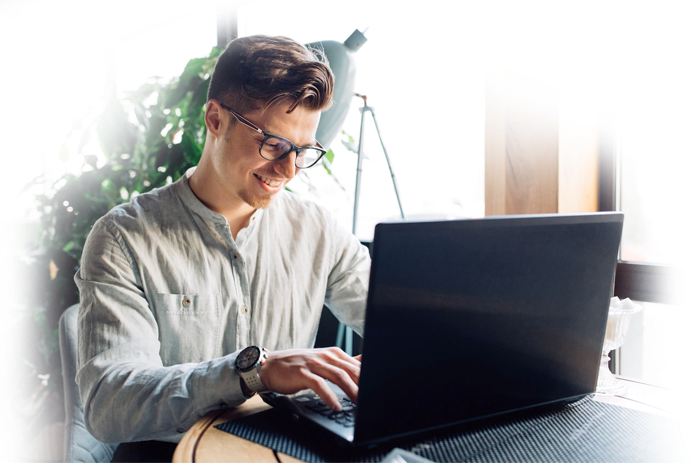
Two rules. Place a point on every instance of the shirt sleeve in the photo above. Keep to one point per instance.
(127, 392)
(348, 281)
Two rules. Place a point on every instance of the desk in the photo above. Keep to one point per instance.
(204, 443)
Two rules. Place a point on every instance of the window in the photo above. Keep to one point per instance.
(654, 184)
(428, 96)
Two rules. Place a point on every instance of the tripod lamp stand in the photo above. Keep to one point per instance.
(341, 57)
(344, 333)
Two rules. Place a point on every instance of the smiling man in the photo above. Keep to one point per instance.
(199, 294)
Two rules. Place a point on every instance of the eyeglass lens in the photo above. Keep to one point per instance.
(275, 148)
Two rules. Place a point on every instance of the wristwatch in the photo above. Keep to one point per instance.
(248, 364)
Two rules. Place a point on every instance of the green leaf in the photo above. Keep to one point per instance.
(142, 93)
(194, 67)
(90, 159)
(83, 141)
(192, 151)
(330, 156)
(140, 114)
(63, 153)
(147, 88)
(107, 185)
(68, 246)
(215, 53)
(350, 146)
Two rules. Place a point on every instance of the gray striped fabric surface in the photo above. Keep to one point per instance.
(586, 431)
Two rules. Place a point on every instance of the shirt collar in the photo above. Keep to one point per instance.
(194, 204)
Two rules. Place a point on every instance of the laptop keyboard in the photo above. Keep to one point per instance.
(316, 405)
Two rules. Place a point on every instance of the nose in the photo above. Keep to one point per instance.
(287, 166)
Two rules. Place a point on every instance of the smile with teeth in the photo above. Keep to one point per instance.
(267, 181)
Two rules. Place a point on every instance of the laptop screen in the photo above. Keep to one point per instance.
(471, 318)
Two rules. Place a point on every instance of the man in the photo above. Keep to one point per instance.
(176, 283)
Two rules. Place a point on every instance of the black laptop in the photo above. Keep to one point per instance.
(471, 319)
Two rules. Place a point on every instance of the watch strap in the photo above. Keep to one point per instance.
(252, 377)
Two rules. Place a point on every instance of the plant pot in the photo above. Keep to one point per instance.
(47, 446)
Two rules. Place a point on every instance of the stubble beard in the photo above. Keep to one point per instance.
(255, 201)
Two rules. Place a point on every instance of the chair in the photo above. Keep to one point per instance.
(79, 445)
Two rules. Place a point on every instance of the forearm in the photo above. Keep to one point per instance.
(348, 283)
(138, 402)
(127, 392)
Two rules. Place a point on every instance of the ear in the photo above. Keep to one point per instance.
(216, 119)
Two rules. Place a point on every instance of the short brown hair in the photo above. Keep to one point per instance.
(259, 71)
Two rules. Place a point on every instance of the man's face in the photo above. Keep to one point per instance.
(246, 175)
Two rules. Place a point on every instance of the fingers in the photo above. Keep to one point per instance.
(320, 387)
(290, 371)
(342, 355)
(352, 370)
(340, 378)
(337, 357)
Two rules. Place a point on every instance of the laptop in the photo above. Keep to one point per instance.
(472, 319)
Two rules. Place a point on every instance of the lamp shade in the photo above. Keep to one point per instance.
(341, 57)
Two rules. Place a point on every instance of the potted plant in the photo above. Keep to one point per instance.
(148, 139)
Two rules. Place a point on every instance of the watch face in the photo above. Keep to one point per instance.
(247, 358)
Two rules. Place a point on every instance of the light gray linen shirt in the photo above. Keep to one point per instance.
(168, 299)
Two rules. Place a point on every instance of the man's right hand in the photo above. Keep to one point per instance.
(291, 371)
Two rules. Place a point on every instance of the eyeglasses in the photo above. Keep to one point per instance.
(276, 148)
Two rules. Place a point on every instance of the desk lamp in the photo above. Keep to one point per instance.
(341, 57)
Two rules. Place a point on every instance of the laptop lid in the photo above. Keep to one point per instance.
(473, 318)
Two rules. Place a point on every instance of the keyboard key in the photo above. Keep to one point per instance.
(335, 415)
(325, 411)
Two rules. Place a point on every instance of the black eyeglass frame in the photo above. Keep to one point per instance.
(318, 147)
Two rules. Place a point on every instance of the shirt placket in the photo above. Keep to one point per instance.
(243, 316)
(239, 271)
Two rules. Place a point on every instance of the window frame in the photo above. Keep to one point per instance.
(640, 281)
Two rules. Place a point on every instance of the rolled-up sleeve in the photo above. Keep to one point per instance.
(348, 280)
(127, 392)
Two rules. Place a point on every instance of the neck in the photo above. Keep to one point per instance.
(210, 192)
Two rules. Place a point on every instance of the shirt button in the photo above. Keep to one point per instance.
(236, 255)
(223, 405)
(244, 310)
(181, 430)
(186, 302)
